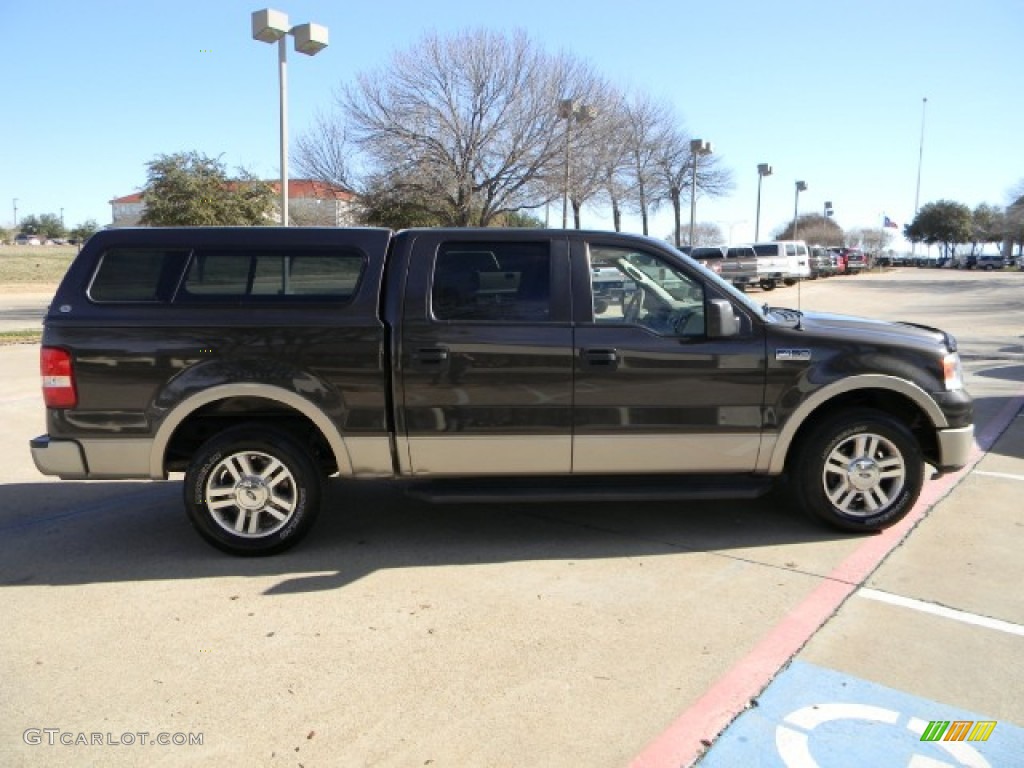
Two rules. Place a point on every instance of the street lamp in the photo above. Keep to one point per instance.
(15, 213)
(698, 147)
(269, 26)
(824, 219)
(763, 169)
(569, 110)
(801, 186)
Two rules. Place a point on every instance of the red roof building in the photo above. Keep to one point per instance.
(311, 203)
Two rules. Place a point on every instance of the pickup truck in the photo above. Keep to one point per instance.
(474, 365)
(735, 263)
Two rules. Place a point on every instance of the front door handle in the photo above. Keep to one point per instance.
(601, 358)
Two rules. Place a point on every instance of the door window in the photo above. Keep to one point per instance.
(492, 282)
(636, 288)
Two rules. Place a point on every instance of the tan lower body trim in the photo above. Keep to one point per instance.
(666, 453)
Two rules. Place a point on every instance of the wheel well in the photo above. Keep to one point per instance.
(213, 418)
(894, 404)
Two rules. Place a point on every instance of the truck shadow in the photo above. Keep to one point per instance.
(82, 533)
(64, 533)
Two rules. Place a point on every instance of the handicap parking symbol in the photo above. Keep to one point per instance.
(811, 717)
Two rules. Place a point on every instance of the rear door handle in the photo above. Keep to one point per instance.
(428, 357)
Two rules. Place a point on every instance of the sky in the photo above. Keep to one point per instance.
(830, 93)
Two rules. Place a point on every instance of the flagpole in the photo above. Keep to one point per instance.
(920, 159)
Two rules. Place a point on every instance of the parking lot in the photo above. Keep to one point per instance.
(408, 634)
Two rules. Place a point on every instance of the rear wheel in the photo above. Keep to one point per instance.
(859, 471)
(767, 285)
(252, 491)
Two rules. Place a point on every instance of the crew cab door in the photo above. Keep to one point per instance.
(485, 356)
(654, 391)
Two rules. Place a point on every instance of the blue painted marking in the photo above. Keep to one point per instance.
(868, 726)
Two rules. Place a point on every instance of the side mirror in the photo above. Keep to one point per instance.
(722, 320)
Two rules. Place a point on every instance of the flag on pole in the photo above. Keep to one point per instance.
(890, 223)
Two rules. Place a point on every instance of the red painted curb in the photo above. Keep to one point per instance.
(692, 732)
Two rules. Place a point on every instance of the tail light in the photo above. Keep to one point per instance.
(58, 378)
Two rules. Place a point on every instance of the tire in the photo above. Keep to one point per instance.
(859, 471)
(767, 285)
(265, 491)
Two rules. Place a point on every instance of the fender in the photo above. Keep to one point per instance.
(776, 459)
(186, 407)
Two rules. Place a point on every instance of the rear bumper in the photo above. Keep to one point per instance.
(111, 459)
(62, 458)
(955, 447)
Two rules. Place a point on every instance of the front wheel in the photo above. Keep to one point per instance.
(859, 471)
(252, 491)
(767, 285)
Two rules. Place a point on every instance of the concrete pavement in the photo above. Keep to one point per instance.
(407, 634)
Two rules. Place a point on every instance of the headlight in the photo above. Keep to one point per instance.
(952, 372)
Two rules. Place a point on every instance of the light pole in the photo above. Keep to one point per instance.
(763, 169)
(15, 213)
(801, 186)
(269, 26)
(569, 110)
(698, 147)
(920, 160)
(827, 213)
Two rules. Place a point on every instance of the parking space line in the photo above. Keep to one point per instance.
(941, 610)
(1004, 475)
(692, 732)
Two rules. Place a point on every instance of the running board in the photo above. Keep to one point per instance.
(529, 490)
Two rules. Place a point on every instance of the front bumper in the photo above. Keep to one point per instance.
(955, 447)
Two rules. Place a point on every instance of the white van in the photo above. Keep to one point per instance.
(790, 258)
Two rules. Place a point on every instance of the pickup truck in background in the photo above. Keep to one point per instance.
(474, 365)
(735, 263)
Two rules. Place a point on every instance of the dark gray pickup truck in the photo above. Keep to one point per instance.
(457, 362)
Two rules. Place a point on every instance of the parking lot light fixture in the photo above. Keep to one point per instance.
(698, 147)
(570, 111)
(270, 26)
(763, 169)
(801, 186)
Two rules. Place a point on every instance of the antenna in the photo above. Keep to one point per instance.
(799, 304)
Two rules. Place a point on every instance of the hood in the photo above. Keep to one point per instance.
(864, 328)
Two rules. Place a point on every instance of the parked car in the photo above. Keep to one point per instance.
(850, 260)
(990, 261)
(792, 255)
(821, 262)
(24, 239)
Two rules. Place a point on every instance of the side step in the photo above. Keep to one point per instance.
(514, 490)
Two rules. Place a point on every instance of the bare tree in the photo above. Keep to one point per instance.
(325, 153)
(469, 123)
(872, 239)
(646, 123)
(704, 233)
(674, 166)
(595, 144)
(816, 229)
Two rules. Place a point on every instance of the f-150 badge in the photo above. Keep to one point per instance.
(792, 354)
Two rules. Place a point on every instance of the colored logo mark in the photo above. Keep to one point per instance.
(958, 730)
